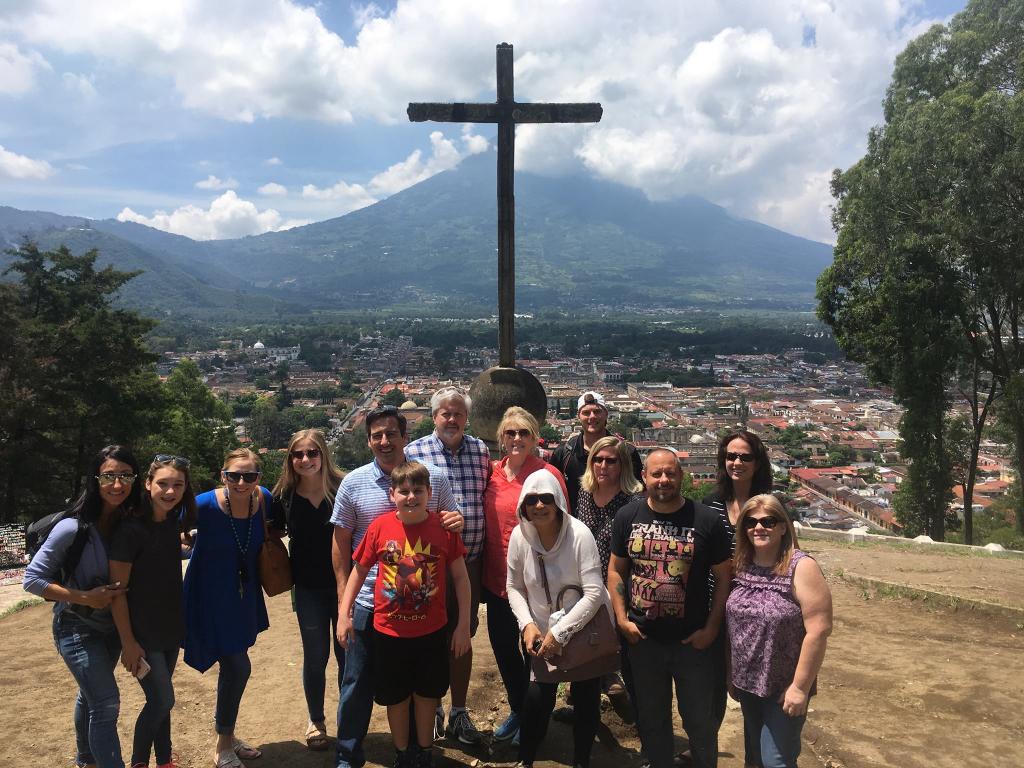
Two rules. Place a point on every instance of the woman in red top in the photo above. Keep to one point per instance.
(518, 436)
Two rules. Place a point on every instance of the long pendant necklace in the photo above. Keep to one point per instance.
(243, 570)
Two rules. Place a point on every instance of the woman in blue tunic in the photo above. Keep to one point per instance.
(224, 608)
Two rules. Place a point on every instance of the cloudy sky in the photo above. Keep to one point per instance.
(235, 117)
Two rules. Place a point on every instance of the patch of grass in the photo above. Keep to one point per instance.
(28, 602)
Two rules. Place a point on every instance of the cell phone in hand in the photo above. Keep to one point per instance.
(143, 669)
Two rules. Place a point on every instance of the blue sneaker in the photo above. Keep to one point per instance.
(508, 729)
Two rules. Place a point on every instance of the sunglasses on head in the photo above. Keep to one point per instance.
(512, 434)
(240, 477)
(606, 460)
(312, 453)
(178, 462)
(746, 458)
(765, 522)
(109, 478)
(531, 499)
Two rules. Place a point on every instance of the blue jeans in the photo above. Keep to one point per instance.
(91, 656)
(234, 674)
(656, 666)
(153, 726)
(317, 614)
(770, 736)
(356, 703)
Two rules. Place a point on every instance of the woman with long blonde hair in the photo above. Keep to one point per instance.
(303, 501)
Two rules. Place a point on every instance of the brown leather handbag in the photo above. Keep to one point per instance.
(274, 565)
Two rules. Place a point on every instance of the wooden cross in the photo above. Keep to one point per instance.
(506, 112)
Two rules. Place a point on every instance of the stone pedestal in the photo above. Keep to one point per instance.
(494, 391)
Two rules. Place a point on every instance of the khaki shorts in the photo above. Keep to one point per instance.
(475, 570)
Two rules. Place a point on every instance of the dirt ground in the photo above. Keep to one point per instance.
(905, 684)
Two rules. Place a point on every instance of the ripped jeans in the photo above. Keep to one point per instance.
(317, 614)
(92, 655)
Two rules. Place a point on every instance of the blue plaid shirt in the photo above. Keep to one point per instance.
(468, 471)
(364, 496)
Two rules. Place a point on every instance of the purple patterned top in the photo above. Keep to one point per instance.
(766, 629)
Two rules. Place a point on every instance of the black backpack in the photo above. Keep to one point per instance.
(37, 532)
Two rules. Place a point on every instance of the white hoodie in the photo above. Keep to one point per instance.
(573, 559)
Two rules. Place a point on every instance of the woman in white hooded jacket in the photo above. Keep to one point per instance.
(550, 544)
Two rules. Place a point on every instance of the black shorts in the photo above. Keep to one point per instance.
(403, 666)
(474, 569)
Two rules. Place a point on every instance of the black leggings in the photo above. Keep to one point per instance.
(537, 706)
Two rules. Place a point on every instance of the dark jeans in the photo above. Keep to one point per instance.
(656, 666)
(91, 656)
(507, 645)
(317, 614)
(536, 712)
(770, 736)
(356, 703)
(153, 725)
(234, 674)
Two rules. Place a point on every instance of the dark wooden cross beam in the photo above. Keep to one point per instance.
(506, 112)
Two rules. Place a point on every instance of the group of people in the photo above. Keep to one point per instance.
(391, 562)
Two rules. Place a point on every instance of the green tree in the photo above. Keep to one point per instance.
(421, 428)
(351, 450)
(393, 397)
(195, 424)
(74, 376)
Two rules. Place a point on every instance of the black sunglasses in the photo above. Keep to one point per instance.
(313, 453)
(765, 522)
(511, 434)
(178, 462)
(531, 499)
(746, 458)
(240, 477)
(109, 478)
(605, 460)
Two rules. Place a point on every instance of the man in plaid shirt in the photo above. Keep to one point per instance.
(467, 463)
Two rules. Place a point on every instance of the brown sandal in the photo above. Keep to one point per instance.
(316, 737)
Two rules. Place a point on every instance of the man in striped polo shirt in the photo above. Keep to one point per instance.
(364, 495)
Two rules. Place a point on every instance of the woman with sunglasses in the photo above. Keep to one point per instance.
(550, 550)
(518, 435)
(779, 617)
(303, 502)
(145, 556)
(224, 607)
(83, 628)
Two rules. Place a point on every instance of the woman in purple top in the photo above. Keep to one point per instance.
(779, 617)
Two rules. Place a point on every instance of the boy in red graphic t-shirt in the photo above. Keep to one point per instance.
(414, 555)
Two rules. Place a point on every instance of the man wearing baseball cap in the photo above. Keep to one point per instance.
(571, 456)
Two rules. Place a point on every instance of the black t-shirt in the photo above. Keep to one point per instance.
(310, 534)
(154, 586)
(670, 559)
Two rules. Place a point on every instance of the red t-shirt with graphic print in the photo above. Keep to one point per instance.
(412, 573)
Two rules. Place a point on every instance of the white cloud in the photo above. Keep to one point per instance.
(273, 189)
(414, 169)
(213, 183)
(15, 166)
(228, 216)
(724, 100)
(339, 199)
(80, 85)
(18, 70)
(272, 161)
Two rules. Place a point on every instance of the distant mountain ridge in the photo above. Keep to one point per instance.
(579, 243)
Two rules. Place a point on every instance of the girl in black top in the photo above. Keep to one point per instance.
(303, 502)
(145, 555)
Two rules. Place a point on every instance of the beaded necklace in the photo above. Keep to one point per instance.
(243, 570)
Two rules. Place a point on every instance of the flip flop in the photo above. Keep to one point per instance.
(316, 737)
(246, 751)
(227, 758)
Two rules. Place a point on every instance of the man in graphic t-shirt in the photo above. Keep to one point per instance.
(662, 550)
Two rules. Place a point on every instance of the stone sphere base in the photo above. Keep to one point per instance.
(497, 389)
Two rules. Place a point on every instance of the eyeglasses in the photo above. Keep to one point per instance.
(765, 522)
(610, 460)
(312, 453)
(240, 477)
(746, 458)
(531, 499)
(178, 462)
(109, 478)
(512, 434)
